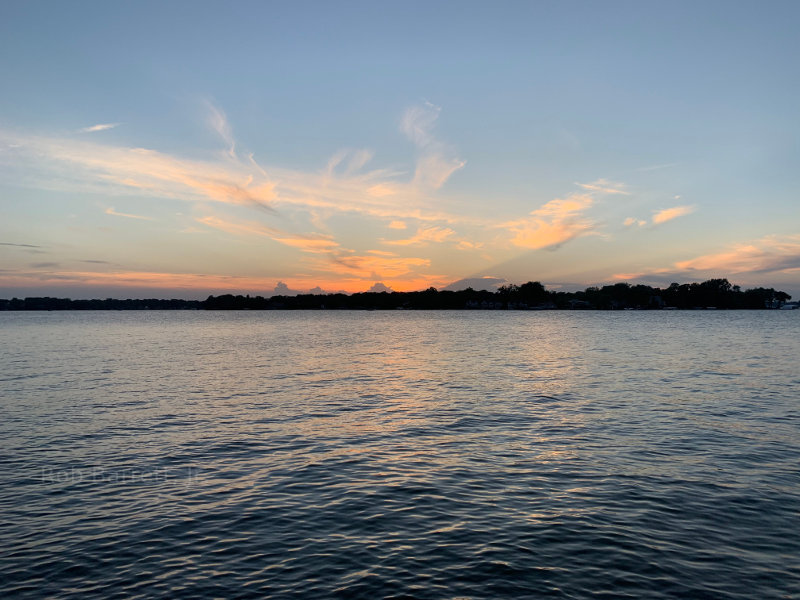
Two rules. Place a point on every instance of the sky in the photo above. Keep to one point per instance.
(181, 149)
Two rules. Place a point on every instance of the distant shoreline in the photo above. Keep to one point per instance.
(714, 294)
(370, 309)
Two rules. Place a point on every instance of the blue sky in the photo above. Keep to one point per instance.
(188, 148)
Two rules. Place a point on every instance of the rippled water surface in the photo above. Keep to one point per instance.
(400, 455)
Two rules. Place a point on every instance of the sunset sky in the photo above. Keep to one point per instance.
(181, 149)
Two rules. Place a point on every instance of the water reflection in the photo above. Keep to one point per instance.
(418, 454)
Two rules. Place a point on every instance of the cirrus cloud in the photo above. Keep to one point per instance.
(436, 162)
(424, 235)
(315, 243)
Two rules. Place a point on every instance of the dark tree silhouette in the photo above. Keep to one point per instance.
(717, 293)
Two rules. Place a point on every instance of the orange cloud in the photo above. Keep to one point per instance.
(318, 245)
(206, 283)
(767, 254)
(159, 174)
(374, 267)
(376, 264)
(343, 186)
(315, 243)
(668, 214)
(771, 254)
(245, 228)
(556, 222)
(136, 279)
(380, 190)
(634, 221)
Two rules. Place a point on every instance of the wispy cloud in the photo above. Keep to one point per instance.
(661, 216)
(99, 127)
(433, 170)
(135, 279)
(111, 211)
(348, 185)
(464, 244)
(19, 245)
(436, 162)
(553, 224)
(333, 258)
(123, 169)
(668, 214)
(348, 280)
(348, 161)
(770, 254)
(657, 167)
(380, 190)
(370, 267)
(605, 187)
(424, 236)
(315, 243)
(562, 219)
(75, 165)
(418, 122)
(219, 123)
(631, 221)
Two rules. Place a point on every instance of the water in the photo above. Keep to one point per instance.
(400, 455)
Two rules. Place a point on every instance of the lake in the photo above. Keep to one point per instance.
(400, 454)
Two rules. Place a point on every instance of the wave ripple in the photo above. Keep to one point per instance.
(413, 455)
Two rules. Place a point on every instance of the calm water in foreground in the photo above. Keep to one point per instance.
(400, 455)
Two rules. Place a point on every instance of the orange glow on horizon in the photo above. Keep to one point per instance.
(210, 283)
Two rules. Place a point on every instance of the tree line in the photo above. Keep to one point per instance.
(714, 293)
(47, 303)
